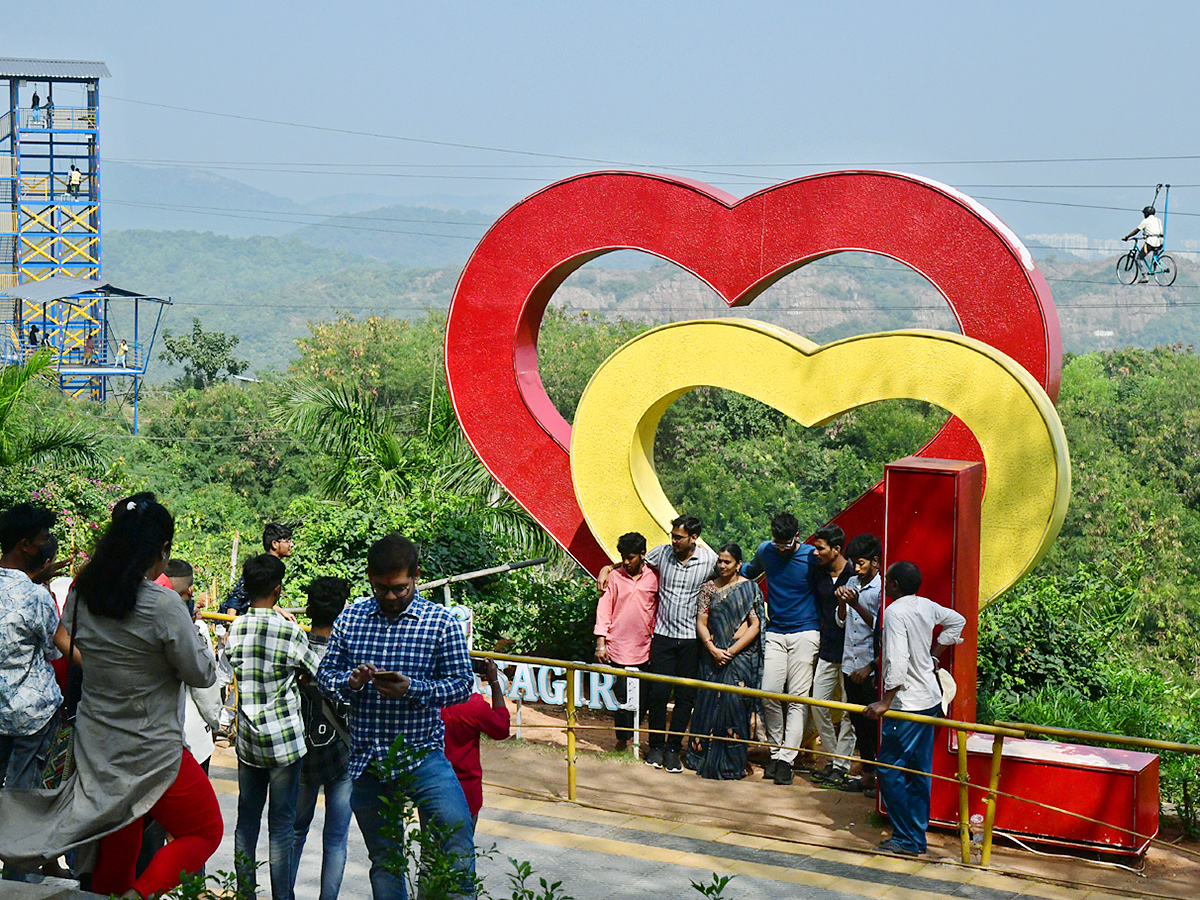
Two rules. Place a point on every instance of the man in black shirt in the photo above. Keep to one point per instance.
(830, 573)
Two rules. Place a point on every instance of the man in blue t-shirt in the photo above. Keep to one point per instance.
(793, 637)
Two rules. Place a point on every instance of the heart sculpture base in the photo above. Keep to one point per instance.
(933, 513)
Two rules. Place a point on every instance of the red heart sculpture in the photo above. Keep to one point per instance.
(739, 248)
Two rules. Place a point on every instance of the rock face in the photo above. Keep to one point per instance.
(853, 293)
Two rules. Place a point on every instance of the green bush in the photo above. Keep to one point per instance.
(82, 498)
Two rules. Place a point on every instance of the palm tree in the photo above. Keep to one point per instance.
(393, 454)
(23, 441)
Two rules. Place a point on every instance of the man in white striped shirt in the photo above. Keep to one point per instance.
(910, 683)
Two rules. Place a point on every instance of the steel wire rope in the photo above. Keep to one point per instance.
(590, 159)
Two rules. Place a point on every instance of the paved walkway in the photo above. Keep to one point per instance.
(675, 834)
(600, 854)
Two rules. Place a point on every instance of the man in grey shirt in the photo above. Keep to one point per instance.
(682, 566)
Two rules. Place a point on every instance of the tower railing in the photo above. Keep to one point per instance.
(80, 118)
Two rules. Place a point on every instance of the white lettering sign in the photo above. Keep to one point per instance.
(548, 684)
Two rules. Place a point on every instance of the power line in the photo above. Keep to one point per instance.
(372, 134)
(609, 162)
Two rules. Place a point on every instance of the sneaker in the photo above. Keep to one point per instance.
(655, 757)
(783, 772)
(671, 762)
(890, 846)
(769, 769)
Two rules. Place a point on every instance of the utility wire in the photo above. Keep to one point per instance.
(610, 162)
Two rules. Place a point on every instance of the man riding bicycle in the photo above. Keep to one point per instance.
(1152, 227)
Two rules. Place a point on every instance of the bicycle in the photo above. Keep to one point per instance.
(1160, 265)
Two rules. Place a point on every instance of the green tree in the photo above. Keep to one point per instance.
(377, 454)
(206, 356)
(28, 437)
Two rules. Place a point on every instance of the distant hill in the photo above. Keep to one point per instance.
(266, 290)
(169, 198)
(403, 235)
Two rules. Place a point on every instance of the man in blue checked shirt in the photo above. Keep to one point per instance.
(397, 659)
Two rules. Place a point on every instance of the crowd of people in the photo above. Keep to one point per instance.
(111, 694)
(316, 711)
(682, 610)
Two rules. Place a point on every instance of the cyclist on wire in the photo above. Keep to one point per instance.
(1152, 227)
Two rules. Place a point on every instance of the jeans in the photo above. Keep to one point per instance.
(788, 661)
(623, 719)
(827, 685)
(866, 730)
(282, 784)
(907, 744)
(678, 657)
(22, 761)
(23, 756)
(439, 798)
(333, 834)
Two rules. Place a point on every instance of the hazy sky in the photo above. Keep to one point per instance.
(749, 92)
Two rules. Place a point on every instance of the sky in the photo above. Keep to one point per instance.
(485, 102)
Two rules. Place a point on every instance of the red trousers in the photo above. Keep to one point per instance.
(189, 813)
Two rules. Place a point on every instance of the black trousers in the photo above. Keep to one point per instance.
(678, 657)
(866, 730)
(623, 718)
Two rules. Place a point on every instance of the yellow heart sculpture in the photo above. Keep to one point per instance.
(1024, 447)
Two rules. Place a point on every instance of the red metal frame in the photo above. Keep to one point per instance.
(932, 519)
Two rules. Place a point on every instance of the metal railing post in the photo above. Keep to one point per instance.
(989, 816)
(964, 807)
(571, 699)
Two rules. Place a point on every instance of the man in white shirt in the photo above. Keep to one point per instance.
(1152, 227)
(910, 683)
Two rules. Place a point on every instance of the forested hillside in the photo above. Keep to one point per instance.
(267, 289)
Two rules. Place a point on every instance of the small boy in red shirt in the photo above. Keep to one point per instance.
(464, 723)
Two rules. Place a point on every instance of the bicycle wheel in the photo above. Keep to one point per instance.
(1127, 268)
(1165, 271)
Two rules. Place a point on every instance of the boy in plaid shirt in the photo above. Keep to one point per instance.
(268, 653)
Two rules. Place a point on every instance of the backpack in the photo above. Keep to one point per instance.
(323, 724)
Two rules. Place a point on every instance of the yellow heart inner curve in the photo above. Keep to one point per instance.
(1024, 447)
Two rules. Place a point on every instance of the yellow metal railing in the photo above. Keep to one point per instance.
(963, 729)
(998, 731)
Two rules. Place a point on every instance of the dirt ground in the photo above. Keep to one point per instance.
(801, 812)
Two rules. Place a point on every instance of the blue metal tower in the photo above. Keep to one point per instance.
(51, 292)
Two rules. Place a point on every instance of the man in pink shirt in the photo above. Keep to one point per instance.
(625, 622)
